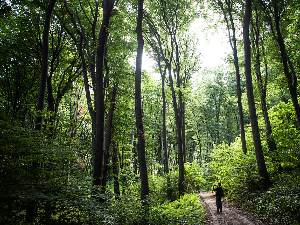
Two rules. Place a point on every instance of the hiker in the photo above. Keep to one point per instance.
(219, 195)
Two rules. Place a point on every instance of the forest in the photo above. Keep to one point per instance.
(108, 114)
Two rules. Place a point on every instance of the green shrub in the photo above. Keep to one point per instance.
(129, 210)
(193, 175)
(187, 210)
(164, 188)
(281, 203)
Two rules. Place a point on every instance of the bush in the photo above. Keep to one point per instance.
(164, 188)
(47, 174)
(187, 210)
(193, 175)
(281, 203)
(129, 210)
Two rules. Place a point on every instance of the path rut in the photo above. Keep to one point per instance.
(229, 215)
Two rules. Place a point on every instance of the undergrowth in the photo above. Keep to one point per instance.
(186, 210)
(279, 205)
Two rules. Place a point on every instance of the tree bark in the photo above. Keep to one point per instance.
(116, 170)
(262, 85)
(181, 101)
(138, 106)
(232, 41)
(262, 170)
(179, 115)
(167, 56)
(165, 141)
(289, 72)
(100, 93)
(179, 134)
(44, 74)
(32, 207)
(109, 126)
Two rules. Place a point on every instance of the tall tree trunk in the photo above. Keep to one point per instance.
(165, 142)
(289, 72)
(51, 107)
(182, 127)
(31, 209)
(116, 165)
(262, 85)
(240, 106)
(88, 98)
(179, 134)
(232, 41)
(179, 115)
(44, 74)
(100, 93)
(138, 106)
(262, 170)
(109, 127)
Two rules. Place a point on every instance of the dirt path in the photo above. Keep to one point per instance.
(229, 215)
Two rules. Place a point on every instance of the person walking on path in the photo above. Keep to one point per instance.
(219, 195)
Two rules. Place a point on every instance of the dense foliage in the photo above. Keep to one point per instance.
(61, 185)
(192, 130)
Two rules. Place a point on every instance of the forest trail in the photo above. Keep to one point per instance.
(229, 215)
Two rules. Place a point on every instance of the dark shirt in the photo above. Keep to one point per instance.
(218, 191)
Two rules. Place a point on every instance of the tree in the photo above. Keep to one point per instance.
(100, 92)
(262, 84)
(64, 70)
(166, 36)
(274, 15)
(232, 40)
(138, 105)
(32, 206)
(212, 112)
(109, 127)
(165, 140)
(96, 49)
(44, 73)
(262, 170)
(20, 67)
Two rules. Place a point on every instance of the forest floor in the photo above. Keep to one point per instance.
(230, 215)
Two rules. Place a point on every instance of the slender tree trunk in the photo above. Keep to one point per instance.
(179, 114)
(182, 127)
(270, 140)
(32, 207)
(232, 41)
(179, 134)
(262, 170)
(240, 106)
(289, 72)
(88, 99)
(51, 107)
(138, 106)
(45, 57)
(100, 93)
(262, 85)
(109, 126)
(116, 169)
(165, 142)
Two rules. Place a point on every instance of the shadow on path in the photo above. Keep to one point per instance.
(229, 215)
